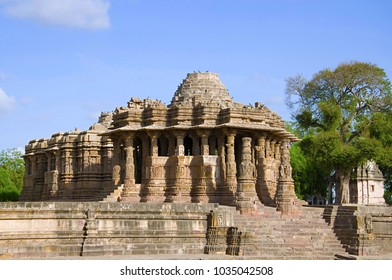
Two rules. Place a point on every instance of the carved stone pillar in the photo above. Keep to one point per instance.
(154, 183)
(199, 190)
(286, 199)
(204, 143)
(277, 151)
(179, 191)
(267, 174)
(130, 192)
(231, 169)
(180, 144)
(222, 158)
(247, 199)
(39, 181)
(267, 148)
(51, 176)
(222, 194)
(129, 179)
(260, 167)
(154, 144)
(116, 173)
(107, 160)
(272, 148)
(57, 181)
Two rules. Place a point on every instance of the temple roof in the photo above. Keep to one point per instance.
(204, 88)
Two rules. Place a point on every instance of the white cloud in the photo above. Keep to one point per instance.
(87, 14)
(7, 103)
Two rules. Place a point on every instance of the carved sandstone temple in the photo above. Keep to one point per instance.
(203, 147)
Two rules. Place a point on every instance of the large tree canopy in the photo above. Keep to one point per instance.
(11, 174)
(338, 109)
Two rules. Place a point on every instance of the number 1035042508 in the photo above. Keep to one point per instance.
(239, 270)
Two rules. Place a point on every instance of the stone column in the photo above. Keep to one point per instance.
(56, 177)
(286, 199)
(66, 175)
(107, 159)
(204, 143)
(129, 192)
(231, 169)
(268, 181)
(116, 173)
(222, 158)
(267, 148)
(199, 191)
(153, 186)
(51, 176)
(221, 195)
(154, 144)
(247, 199)
(277, 151)
(129, 179)
(180, 144)
(260, 168)
(272, 148)
(177, 191)
(49, 157)
(40, 179)
(28, 179)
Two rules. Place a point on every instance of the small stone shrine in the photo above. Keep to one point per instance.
(367, 185)
(202, 148)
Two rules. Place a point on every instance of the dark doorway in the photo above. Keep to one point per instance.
(163, 146)
(138, 159)
(188, 146)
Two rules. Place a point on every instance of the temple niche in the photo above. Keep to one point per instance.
(202, 148)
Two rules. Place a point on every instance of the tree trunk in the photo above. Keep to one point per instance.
(343, 176)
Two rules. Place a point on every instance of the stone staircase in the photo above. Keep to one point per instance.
(114, 195)
(272, 236)
(108, 194)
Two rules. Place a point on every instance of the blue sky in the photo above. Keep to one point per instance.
(64, 62)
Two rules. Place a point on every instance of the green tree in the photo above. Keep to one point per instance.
(309, 178)
(337, 108)
(11, 174)
(381, 128)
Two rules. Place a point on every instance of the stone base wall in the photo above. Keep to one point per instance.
(49, 229)
(363, 230)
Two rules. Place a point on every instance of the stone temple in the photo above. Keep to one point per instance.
(203, 147)
(204, 177)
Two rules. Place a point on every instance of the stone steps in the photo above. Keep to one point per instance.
(107, 194)
(114, 195)
(272, 236)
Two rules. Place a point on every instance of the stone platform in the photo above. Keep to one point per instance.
(102, 230)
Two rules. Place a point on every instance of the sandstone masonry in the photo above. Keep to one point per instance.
(203, 147)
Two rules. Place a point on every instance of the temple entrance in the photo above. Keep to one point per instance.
(138, 159)
(188, 146)
(238, 152)
(163, 146)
